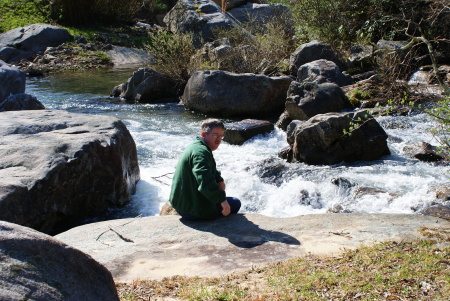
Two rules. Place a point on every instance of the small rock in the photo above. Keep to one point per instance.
(239, 132)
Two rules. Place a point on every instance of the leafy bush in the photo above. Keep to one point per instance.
(269, 48)
(172, 54)
(342, 22)
(19, 13)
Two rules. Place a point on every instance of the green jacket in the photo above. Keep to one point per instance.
(194, 185)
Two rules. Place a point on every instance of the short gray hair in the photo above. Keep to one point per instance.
(211, 123)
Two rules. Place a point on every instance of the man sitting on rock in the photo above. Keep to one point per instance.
(198, 190)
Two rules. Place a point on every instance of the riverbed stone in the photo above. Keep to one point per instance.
(306, 100)
(438, 210)
(163, 246)
(21, 101)
(12, 80)
(423, 151)
(30, 40)
(230, 94)
(239, 132)
(336, 137)
(57, 168)
(35, 266)
(148, 86)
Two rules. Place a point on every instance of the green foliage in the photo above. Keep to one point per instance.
(172, 54)
(343, 22)
(252, 53)
(441, 113)
(84, 12)
(19, 13)
(356, 96)
(356, 122)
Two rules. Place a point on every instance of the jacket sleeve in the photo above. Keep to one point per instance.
(218, 176)
(206, 176)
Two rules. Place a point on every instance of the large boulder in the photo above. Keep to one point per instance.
(229, 94)
(38, 267)
(309, 52)
(201, 18)
(148, 86)
(335, 137)
(58, 167)
(305, 100)
(24, 42)
(12, 80)
(21, 101)
(323, 71)
(257, 16)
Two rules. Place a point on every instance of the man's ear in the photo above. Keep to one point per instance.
(203, 134)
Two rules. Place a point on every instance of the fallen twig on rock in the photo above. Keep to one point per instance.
(120, 235)
(115, 231)
(342, 233)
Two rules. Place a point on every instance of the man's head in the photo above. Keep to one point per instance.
(212, 132)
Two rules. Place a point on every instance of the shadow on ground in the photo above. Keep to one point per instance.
(240, 231)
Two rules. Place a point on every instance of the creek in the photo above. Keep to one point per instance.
(252, 172)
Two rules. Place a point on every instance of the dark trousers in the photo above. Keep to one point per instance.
(235, 205)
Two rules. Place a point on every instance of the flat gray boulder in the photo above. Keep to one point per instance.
(21, 101)
(12, 80)
(230, 94)
(336, 137)
(120, 56)
(24, 42)
(257, 16)
(58, 167)
(35, 266)
(163, 246)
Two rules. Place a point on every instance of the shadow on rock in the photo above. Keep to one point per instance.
(240, 231)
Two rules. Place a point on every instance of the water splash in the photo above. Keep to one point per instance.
(253, 173)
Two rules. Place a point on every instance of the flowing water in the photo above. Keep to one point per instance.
(252, 172)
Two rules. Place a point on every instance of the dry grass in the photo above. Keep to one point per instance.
(418, 270)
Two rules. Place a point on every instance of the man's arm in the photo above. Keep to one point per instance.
(221, 185)
(204, 175)
(226, 209)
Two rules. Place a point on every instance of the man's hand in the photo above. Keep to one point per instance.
(225, 208)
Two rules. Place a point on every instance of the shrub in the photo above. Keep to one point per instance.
(268, 48)
(172, 54)
(86, 12)
(19, 13)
